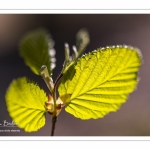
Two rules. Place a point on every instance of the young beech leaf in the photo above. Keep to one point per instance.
(26, 104)
(100, 81)
(82, 40)
(37, 50)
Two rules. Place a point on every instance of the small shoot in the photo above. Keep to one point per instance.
(90, 86)
(48, 80)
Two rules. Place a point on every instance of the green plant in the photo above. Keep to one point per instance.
(91, 85)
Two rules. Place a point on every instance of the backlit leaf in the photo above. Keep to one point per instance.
(37, 50)
(26, 104)
(100, 81)
(82, 40)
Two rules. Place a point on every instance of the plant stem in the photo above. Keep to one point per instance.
(54, 91)
(54, 117)
(54, 120)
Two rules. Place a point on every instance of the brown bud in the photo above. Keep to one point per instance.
(58, 106)
(51, 113)
(48, 106)
(58, 109)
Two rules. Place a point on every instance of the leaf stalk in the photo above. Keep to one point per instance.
(54, 116)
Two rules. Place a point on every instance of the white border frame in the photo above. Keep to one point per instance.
(74, 7)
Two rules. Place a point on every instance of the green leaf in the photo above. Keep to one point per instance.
(37, 50)
(82, 40)
(26, 104)
(100, 82)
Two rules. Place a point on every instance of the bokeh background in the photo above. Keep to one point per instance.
(133, 119)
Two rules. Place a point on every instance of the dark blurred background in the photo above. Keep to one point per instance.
(133, 119)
